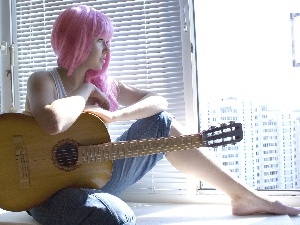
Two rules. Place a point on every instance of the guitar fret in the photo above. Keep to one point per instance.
(91, 153)
(169, 144)
(148, 147)
(106, 151)
(132, 145)
(85, 156)
(100, 153)
(122, 149)
(110, 151)
(115, 153)
(139, 145)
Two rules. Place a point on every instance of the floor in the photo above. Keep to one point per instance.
(173, 214)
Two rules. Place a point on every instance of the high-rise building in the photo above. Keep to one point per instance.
(268, 157)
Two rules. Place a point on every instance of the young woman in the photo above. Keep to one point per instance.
(81, 39)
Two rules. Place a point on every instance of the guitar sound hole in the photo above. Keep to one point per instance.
(65, 155)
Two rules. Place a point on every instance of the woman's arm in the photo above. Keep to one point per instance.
(137, 104)
(56, 115)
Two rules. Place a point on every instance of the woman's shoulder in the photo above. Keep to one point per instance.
(40, 76)
(40, 80)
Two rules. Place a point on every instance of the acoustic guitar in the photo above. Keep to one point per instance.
(35, 165)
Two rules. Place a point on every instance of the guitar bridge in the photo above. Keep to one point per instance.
(21, 159)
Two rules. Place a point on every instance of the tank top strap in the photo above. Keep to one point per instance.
(61, 92)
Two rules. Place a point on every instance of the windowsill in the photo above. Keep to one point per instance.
(291, 198)
(204, 214)
(175, 214)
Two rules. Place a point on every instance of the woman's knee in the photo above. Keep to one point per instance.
(117, 211)
(79, 206)
(161, 117)
(154, 126)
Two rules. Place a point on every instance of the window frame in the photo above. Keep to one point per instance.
(6, 102)
(292, 196)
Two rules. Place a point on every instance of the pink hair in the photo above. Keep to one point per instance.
(73, 33)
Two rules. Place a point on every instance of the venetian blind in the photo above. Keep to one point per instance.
(146, 53)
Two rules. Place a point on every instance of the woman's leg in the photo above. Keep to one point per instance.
(128, 171)
(72, 206)
(201, 164)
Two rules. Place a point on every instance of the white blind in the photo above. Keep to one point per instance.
(146, 53)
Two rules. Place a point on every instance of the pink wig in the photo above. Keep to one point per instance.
(73, 33)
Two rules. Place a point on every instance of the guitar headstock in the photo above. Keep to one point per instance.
(226, 133)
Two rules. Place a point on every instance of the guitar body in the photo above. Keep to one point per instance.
(28, 173)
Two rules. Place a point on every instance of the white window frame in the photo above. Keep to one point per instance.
(291, 197)
(6, 69)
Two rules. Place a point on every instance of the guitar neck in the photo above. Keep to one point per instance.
(135, 148)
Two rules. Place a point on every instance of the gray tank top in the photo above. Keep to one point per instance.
(61, 92)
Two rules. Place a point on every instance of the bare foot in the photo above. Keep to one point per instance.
(257, 205)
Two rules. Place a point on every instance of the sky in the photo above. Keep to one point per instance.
(246, 50)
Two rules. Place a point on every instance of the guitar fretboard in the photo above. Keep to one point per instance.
(127, 149)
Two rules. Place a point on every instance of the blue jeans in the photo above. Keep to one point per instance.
(73, 206)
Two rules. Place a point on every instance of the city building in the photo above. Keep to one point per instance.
(268, 157)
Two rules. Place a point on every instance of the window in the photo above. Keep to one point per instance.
(244, 58)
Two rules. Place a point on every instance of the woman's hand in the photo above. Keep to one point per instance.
(104, 114)
(99, 98)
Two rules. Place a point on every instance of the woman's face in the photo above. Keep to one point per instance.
(96, 58)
